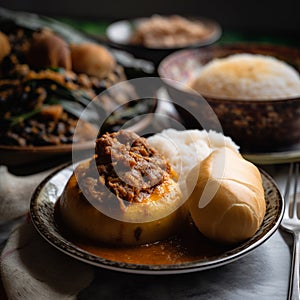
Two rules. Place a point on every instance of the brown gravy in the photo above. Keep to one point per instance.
(187, 246)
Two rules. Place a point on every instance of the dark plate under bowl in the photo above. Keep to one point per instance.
(256, 126)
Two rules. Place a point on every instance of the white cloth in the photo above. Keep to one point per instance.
(30, 267)
(15, 193)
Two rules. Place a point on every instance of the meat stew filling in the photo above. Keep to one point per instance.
(127, 167)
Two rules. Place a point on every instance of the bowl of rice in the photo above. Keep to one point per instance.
(254, 89)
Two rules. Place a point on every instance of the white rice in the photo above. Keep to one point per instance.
(186, 149)
(248, 76)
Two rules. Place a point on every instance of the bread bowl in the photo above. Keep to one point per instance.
(105, 204)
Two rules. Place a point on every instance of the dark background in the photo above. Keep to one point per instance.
(264, 16)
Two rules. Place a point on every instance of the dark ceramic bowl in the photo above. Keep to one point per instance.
(119, 34)
(255, 125)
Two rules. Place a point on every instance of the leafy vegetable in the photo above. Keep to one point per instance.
(21, 118)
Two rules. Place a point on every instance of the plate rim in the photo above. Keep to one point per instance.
(269, 158)
(49, 148)
(167, 269)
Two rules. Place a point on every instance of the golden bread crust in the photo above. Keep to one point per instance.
(227, 204)
(83, 219)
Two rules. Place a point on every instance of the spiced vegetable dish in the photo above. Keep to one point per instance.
(45, 83)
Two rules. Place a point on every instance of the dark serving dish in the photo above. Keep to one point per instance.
(30, 86)
(256, 125)
(119, 34)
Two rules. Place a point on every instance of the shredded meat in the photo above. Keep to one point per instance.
(127, 166)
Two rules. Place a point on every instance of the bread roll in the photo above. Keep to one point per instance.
(92, 59)
(227, 204)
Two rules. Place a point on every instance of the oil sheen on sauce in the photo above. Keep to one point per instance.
(187, 246)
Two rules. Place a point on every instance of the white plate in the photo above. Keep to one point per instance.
(42, 215)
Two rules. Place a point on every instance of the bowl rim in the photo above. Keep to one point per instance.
(212, 37)
(227, 46)
(49, 148)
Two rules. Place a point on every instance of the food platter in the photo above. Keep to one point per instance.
(16, 150)
(42, 212)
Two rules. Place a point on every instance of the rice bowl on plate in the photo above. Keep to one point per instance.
(264, 116)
